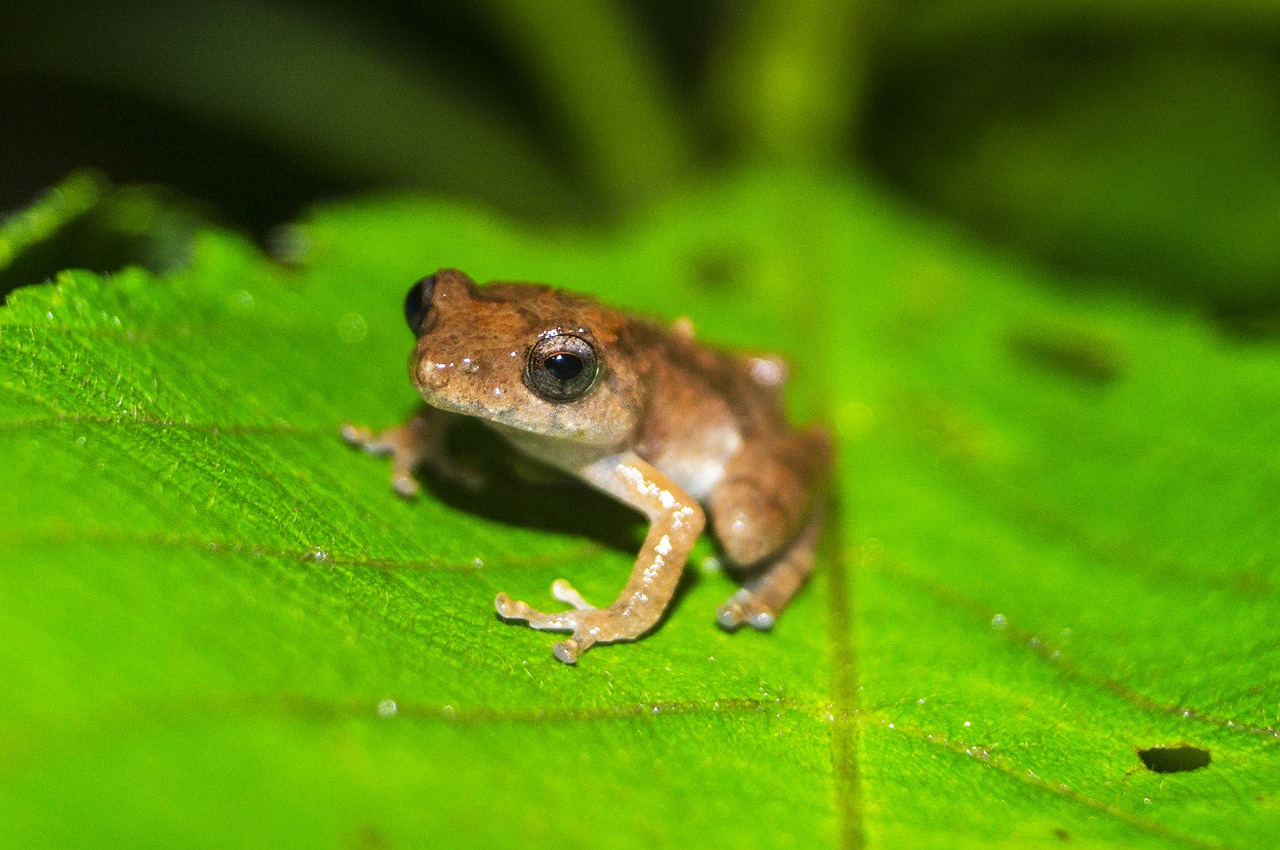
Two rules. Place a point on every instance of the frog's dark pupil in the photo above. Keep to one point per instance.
(563, 366)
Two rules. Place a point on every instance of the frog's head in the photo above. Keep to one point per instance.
(525, 357)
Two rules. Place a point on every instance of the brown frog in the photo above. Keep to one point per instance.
(639, 411)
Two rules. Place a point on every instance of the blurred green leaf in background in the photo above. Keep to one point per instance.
(1023, 258)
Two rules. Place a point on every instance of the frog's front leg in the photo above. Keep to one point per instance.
(418, 442)
(675, 519)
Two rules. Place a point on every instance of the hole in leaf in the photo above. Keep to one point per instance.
(1174, 759)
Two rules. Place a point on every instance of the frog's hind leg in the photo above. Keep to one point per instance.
(767, 515)
(761, 600)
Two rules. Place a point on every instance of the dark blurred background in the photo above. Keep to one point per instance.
(1134, 144)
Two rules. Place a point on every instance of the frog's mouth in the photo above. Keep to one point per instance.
(461, 407)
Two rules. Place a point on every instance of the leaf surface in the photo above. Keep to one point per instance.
(1056, 545)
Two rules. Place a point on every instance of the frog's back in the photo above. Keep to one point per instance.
(750, 385)
(703, 405)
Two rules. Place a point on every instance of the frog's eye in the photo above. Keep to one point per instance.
(561, 367)
(416, 303)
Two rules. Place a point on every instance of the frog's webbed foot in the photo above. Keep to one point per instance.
(588, 623)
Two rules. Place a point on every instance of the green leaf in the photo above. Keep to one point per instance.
(1056, 545)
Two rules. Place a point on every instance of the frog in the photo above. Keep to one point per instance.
(684, 433)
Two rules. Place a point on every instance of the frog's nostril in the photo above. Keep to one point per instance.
(417, 302)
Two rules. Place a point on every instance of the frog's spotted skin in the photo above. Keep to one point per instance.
(638, 411)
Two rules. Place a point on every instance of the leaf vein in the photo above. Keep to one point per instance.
(1054, 657)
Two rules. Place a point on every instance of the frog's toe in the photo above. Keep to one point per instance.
(744, 608)
(358, 436)
(514, 609)
(565, 592)
(568, 651)
(405, 484)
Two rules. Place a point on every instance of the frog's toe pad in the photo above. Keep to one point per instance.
(567, 651)
(405, 484)
(511, 609)
(358, 436)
